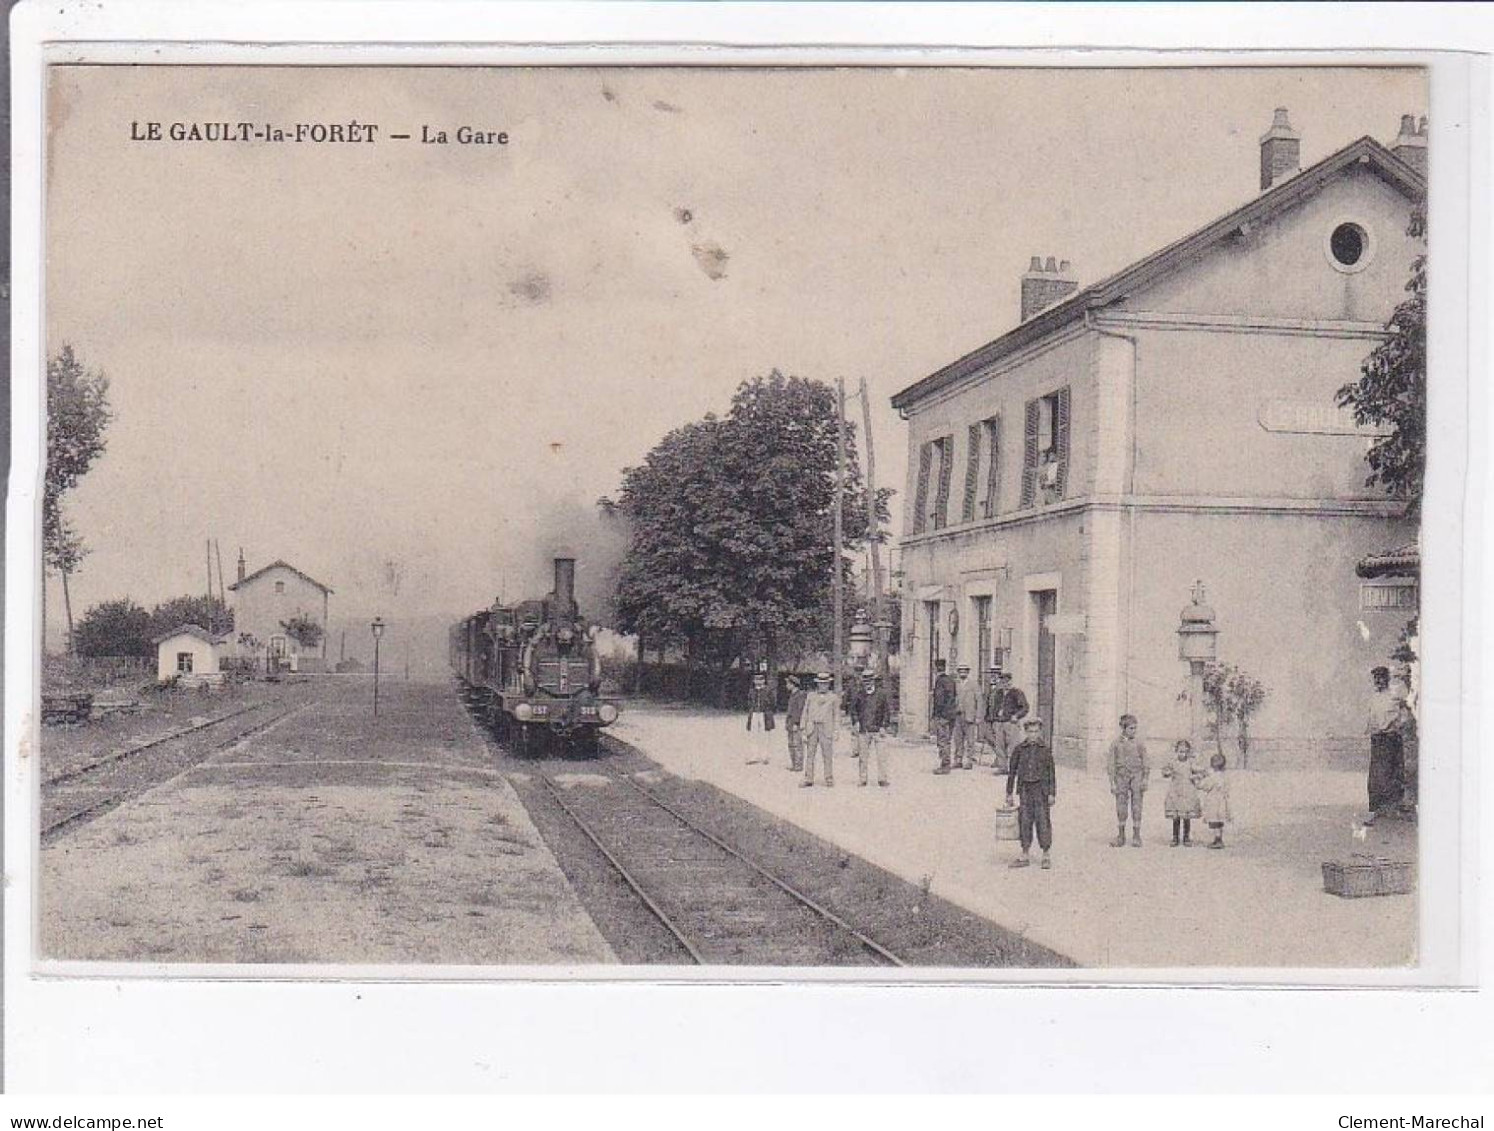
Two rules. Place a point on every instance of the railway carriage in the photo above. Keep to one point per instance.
(531, 670)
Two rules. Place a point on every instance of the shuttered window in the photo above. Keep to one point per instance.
(992, 505)
(921, 499)
(1045, 456)
(972, 472)
(1030, 455)
(1061, 440)
(945, 445)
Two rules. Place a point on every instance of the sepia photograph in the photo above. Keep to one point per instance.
(824, 520)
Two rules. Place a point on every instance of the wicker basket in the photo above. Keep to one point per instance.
(1366, 875)
(1006, 824)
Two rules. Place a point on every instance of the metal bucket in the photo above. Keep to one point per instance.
(1006, 824)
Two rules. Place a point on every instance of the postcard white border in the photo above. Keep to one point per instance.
(42, 1007)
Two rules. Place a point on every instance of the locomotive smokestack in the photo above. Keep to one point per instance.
(565, 588)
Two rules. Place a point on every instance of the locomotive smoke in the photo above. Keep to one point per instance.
(596, 542)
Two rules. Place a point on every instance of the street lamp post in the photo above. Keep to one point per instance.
(378, 631)
(1198, 644)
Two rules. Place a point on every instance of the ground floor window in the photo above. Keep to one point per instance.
(184, 663)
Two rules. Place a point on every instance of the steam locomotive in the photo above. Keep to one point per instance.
(531, 670)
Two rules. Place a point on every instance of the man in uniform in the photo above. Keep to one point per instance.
(760, 721)
(820, 709)
(943, 711)
(793, 720)
(969, 707)
(871, 717)
(1006, 707)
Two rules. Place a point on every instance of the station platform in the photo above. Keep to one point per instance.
(331, 837)
(1257, 903)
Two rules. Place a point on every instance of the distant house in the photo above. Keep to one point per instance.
(265, 600)
(191, 655)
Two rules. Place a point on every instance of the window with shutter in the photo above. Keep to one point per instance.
(972, 472)
(1030, 455)
(921, 500)
(992, 506)
(1045, 464)
(946, 467)
(1061, 440)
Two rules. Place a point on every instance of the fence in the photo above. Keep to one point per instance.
(708, 686)
(96, 671)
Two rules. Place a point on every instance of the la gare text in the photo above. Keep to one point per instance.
(313, 133)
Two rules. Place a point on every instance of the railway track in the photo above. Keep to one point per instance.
(140, 747)
(719, 906)
(75, 797)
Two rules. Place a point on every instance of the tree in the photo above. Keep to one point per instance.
(731, 518)
(205, 612)
(77, 415)
(303, 630)
(1392, 389)
(115, 628)
(1232, 695)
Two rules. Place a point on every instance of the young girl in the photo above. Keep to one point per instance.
(1214, 788)
(1182, 803)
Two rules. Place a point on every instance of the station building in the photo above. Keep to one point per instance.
(263, 601)
(1071, 481)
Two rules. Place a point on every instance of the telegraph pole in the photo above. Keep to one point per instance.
(873, 532)
(840, 487)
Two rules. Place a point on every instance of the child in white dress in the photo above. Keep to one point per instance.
(1213, 788)
(1182, 804)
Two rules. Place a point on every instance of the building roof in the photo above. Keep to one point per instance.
(1143, 272)
(282, 565)
(1403, 561)
(190, 630)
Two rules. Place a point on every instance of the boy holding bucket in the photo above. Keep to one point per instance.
(1034, 780)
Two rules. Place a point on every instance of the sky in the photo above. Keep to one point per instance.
(441, 356)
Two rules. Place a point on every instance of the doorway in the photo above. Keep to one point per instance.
(1046, 604)
(983, 650)
(936, 649)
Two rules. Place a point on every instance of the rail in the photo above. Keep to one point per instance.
(97, 808)
(628, 878)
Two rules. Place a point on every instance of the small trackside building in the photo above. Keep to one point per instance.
(1070, 481)
(191, 655)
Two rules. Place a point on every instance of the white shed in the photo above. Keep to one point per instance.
(190, 653)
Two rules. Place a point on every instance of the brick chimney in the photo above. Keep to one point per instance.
(241, 563)
(1281, 151)
(1410, 144)
(1046, 283)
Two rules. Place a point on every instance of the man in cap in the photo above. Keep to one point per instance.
(942, 712)
(1006, 707)
(760, 720)
(969, 706)
(820, 709)
(872, 712)
(793, 723)
(1034, 781)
